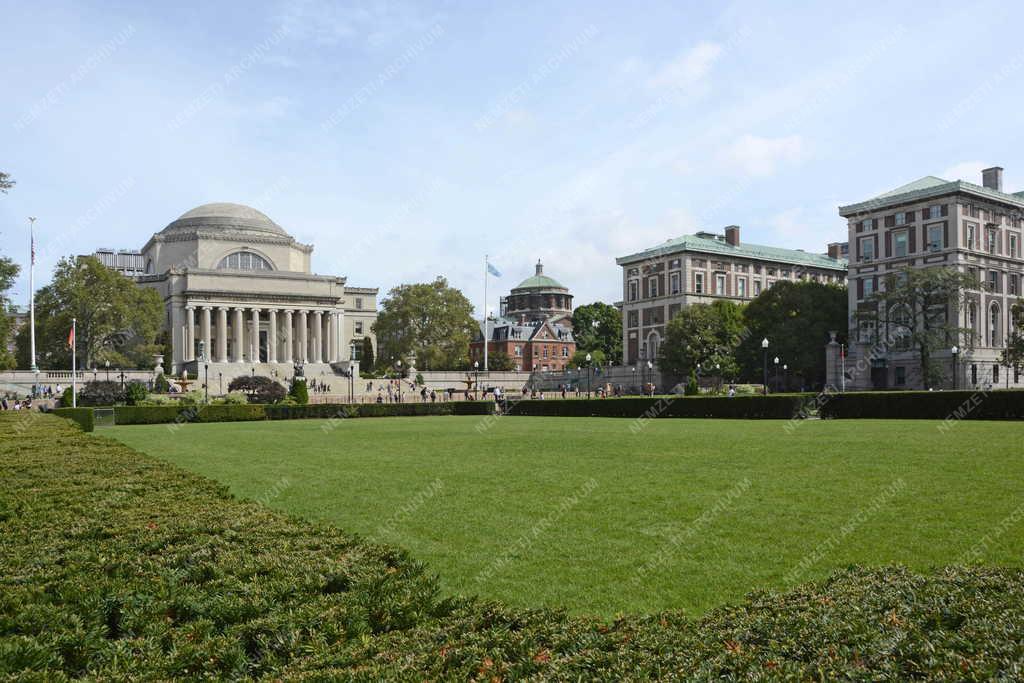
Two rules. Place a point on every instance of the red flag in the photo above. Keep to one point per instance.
(71, 338)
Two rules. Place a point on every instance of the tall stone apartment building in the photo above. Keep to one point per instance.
(658, 282)
(935, 222)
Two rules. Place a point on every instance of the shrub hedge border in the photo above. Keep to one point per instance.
(926, 405)
(83, 416)
(776, 406)
(128, 415)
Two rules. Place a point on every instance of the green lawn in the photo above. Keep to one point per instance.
(685, 514)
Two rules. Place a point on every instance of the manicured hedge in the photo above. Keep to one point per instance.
(347, 410)
(117, 566)
(83, 416)
(133, 415)
(778, 406)
(929, 405)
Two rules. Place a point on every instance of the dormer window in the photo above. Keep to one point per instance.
(244, 260)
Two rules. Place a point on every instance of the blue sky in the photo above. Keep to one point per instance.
(406, 140)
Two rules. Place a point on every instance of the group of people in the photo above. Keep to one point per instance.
(316, 387)
(15, 403)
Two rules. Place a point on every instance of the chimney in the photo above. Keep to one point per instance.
(540, 268)
(732, 235)
(992, 178)
(834, 250)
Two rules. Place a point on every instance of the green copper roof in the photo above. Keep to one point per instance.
(709, 244)
(544, 281)
(929, 186)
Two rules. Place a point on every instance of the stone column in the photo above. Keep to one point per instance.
(271, 335)
(222, 334)
(303, 336)
(190, 333)
(239, 325)
(289, 344)
(344, 353)
(332, 337)
(318, 336)
(207, 351)
(254, 340)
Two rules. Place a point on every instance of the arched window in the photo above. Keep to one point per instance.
(653, 342)
(244, 260)
(994, 320)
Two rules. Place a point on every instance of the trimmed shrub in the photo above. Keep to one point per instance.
(135, 392)
(161, 385)
(777, 406)
(926, 405)
(82, 416)
(230, 413)
(299, 392)
(138, 415)
(100, 393)
(147, 415)
(259, 389)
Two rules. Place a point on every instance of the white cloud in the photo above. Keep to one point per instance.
(965, 170)
(760, 156)
(688, 68)
(807, 228)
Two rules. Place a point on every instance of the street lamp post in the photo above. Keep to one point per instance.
(399, 364)
(221, 374)
(106, 364)
(206, 380)
(956, 352)
(122, 381)
(764, 347)
(776, 373)
(476, 384)
(633, 371)
(588, 375)
(650, 376)
(785, 375)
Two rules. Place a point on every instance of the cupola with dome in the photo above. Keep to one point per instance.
(538, 297)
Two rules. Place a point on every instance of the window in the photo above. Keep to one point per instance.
(900, 331)
(866, 331)
(972, 236)
(741, 287)
(993, 324)
(359, 303)
(633, 287)
(990, 240)
(869, 286)
(720, 285)
(867, 224)
(935, 211)
(359, 327)
(652, 287)
(698, 283)
(1013, 246)
(899, 243)
(974, 373)
(673, 281)
(565, 352)
(935, 237)
(993, 281)
(757, 287)
(519, 351)
(867, 248)
(901, 376)
(972, 322)
(1011, 283)
(633, 318)
(901, 218)
(244, 260)
(995, 373)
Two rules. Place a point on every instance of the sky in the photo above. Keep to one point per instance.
(408, 140)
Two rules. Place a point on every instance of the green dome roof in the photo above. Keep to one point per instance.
(540, 281)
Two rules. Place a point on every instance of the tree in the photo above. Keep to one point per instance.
(705, 334)
(258, 388)
(366, 359)
(598, 326)
(500, 362)
(117, 321)
(912, 311)
(432, 321)
(796, 318)
(298, 392)
(579, 359)
(6, 182)
(8, 273)
(1013, 354)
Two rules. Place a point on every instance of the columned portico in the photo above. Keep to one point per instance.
(318, 331)
(222, 334)
(289, 343)
(272, 340)
(205, 331)
(303, 336)
(254, 337)
(190, 333)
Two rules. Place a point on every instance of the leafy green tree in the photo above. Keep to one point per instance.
(705, 334)
(6, 182)
(366, 355)
(432, 321)
(1013, 354)
(8, 273)
(796, 318)
(298, 392)
(117, 321)
(500, 362)
(691, 388)
(135, 392)
(258, 388)
(579, 359)
(913, 311)
(598, 327)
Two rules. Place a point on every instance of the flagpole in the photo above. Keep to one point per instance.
(32, 292)
(74, 364)
(487, 337)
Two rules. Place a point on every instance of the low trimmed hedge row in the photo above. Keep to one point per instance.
(926, 405)
(83, 416)
(129, 415)
(117, 566)
(778, 406)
